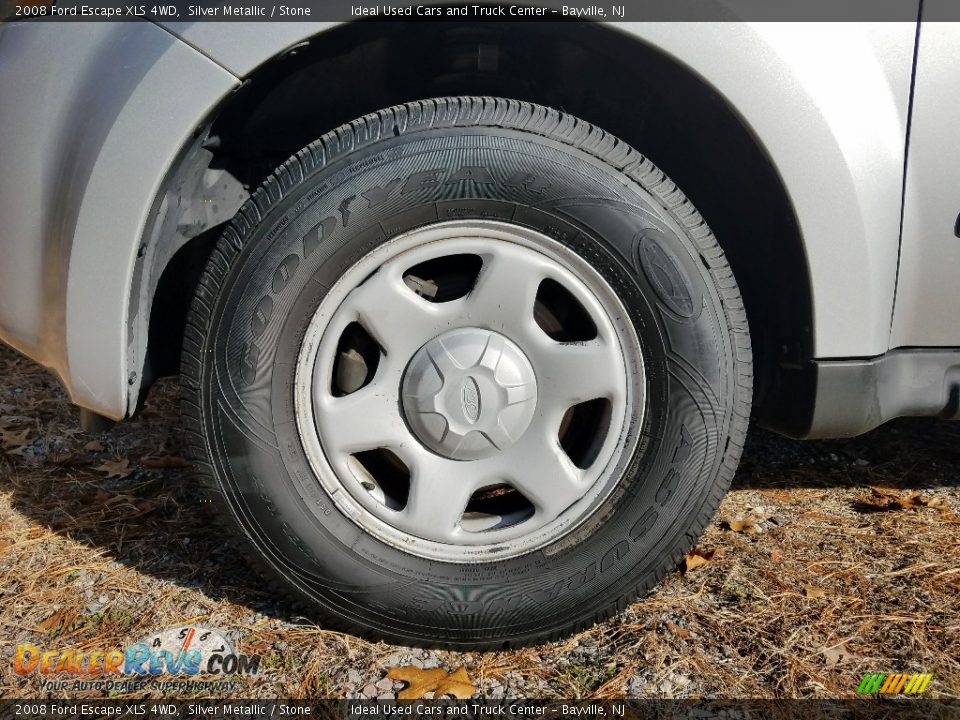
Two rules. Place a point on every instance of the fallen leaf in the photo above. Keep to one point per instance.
(836, 655)
(163, 461)
(69, 459)
(776, 556)
(885, 492)
(812, 591)
(435, 680)
(884, 498)
(115, 468)
(781, 495)
(697, 558)
(102, 496)
(11, 439)
(746, 525)
(916, 500)
(257, 647)
(8, 421)
(56, 622)
(677, 630)
(4, 546)
(93, 446)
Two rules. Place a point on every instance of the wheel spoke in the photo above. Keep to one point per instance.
(571, 373)
(439, 492)
(547, 477)
(363, 420)
(506, 289)
(394, 315)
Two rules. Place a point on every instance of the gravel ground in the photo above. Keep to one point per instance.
(826, 561)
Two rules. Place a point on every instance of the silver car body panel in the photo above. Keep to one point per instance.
(928, 292)
(84, 148)
(828, 103)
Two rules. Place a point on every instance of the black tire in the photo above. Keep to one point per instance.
(582, 186)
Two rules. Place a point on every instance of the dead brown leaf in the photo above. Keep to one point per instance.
(93, 446)
(776, 556)
(11, 439)
(69, 459)
(916, 500)
(57, 622)
(115, 468)
(884, 498)
(812, 591)
(677, 630)
(8, 421)
(885, 492)
(163, 461)
(836, 655)
(435, 680)
(698, 557)
(744, 525)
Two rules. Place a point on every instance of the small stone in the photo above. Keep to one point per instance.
(386, 696)
(385, 684)
(369, 690)
(354, 677)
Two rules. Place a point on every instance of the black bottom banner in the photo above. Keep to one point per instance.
(481, 709)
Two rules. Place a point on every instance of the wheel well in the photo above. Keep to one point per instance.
(615, 82)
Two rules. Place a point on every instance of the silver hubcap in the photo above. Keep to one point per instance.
(469, 391)
(469, 394)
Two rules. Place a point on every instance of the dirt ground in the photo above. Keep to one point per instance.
(826, 561)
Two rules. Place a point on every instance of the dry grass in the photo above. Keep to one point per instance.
(825, 580)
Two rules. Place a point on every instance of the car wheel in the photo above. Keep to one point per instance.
(467, 372)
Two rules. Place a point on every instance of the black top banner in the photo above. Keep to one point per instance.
(545, 10)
